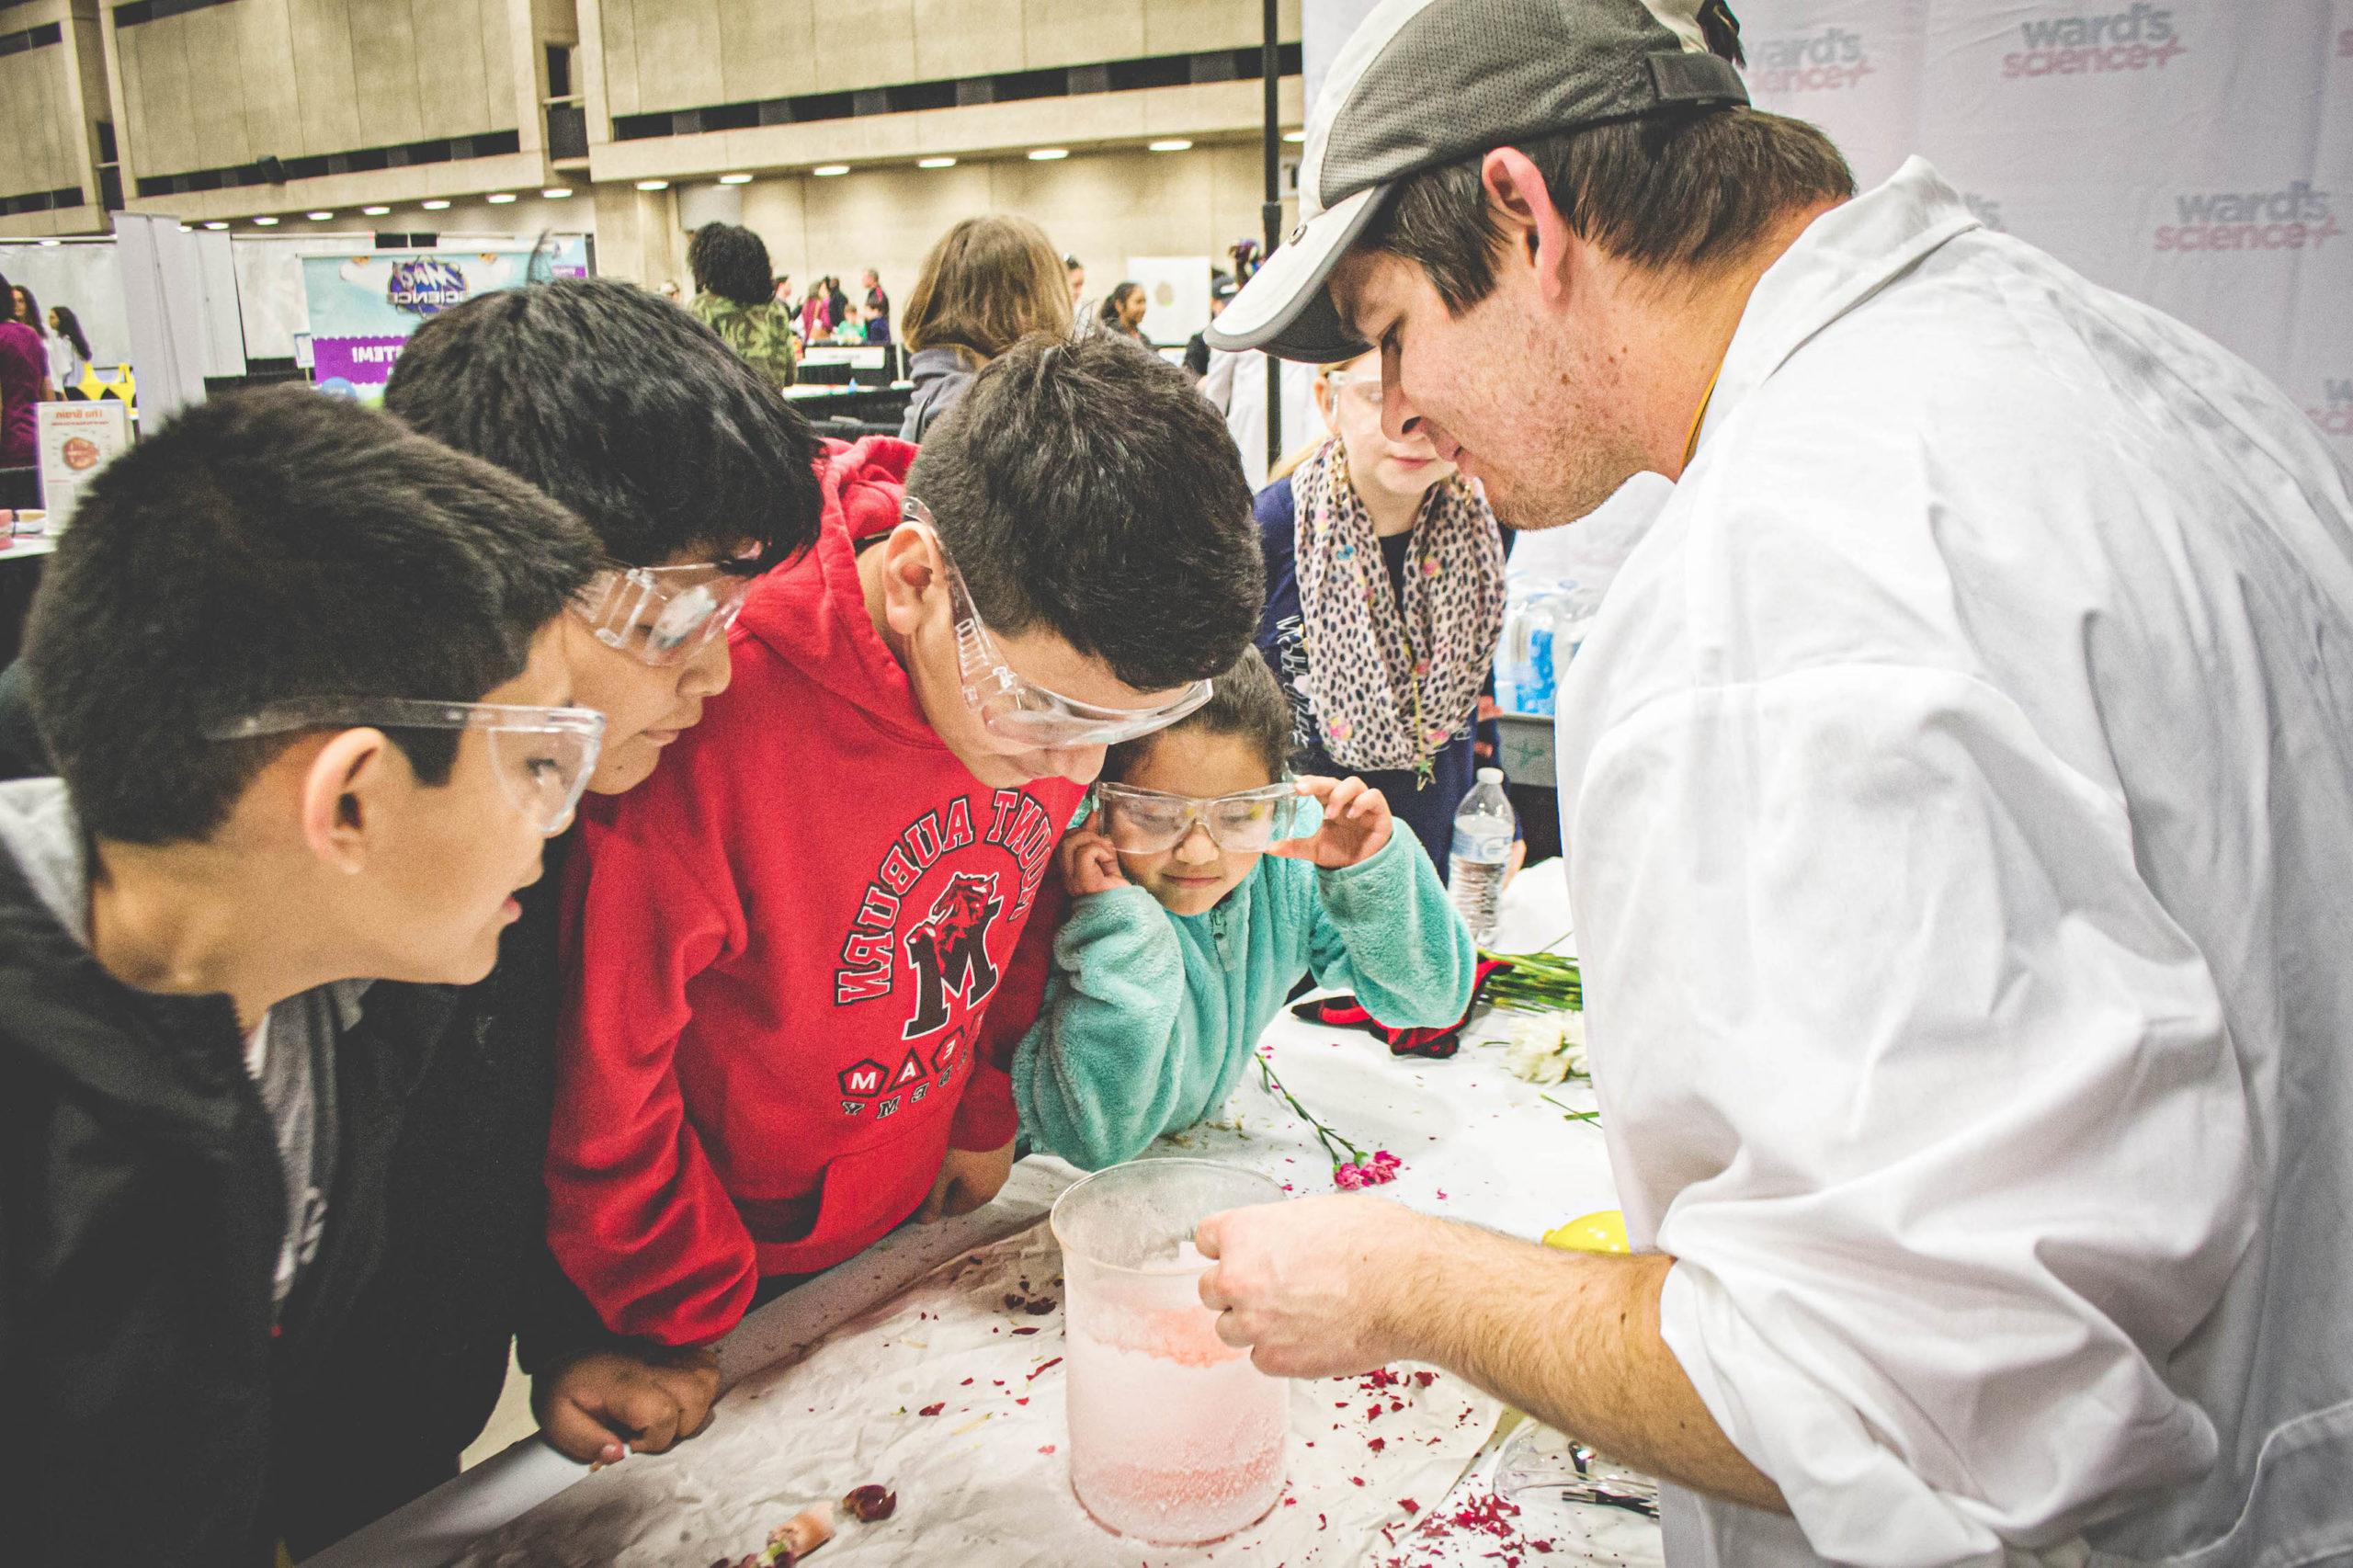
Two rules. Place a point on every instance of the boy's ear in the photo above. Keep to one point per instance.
(911, 571)
(343, 791)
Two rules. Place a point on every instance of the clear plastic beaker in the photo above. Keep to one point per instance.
(1175, 1438)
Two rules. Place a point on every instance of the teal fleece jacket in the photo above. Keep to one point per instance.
(1150, 1016)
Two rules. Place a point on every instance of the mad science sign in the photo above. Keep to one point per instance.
(362, 308)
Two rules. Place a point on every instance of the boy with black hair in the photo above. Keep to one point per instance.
(789, 938)
(695, 475)
(296, 668)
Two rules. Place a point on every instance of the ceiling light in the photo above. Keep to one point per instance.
(1048, 154)
(182, 230)
(735, 179)
(438, 204)
(1173, 144)
(557, 192)
(1294, 135)
(319, 217)
(935, 162)
(216, 223)
(827, 171)
(654, 185)
(499, 198)
(265, 223)
(373, 211)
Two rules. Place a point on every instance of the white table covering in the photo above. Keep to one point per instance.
(1478, 1144)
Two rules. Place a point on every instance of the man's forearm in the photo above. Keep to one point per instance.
(1571, 1339)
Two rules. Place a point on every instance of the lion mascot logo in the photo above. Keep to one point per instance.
(949, 951)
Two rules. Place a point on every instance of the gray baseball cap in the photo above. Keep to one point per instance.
(1424, 83)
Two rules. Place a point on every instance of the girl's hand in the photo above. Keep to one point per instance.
(1357, 825)
(1089, 863)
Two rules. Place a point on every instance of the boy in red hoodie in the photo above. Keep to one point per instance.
(783, 944)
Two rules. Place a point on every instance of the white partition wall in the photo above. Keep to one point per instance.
(2194, 153)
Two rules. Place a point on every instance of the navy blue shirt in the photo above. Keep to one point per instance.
(1427, 809)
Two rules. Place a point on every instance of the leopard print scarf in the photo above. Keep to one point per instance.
(1391, 684)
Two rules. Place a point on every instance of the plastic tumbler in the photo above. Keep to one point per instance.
(1175, 1438)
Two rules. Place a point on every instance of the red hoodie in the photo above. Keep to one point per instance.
(780, 953)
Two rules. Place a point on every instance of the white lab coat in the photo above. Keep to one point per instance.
(1959, 780)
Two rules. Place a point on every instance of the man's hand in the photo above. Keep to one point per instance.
(599, 1407)
(968, 1179)
(1307, 1285)
(1357, 825)
(1089, 863)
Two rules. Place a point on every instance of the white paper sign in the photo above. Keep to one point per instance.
(76, 439)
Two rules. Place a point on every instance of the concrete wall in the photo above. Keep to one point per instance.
(51, 99)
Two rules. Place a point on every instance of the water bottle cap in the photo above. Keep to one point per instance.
(1491, 776)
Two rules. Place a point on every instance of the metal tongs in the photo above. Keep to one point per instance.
(1577, 1474)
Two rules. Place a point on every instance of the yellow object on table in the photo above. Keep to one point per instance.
(1602, 1230)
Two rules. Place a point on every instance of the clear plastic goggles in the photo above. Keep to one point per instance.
(662, 615)
(543, 755)
(1362, 386)
(1145, 822)
(1012, 708)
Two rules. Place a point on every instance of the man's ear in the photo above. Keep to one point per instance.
(1521, 204)
(343, 792)
(911, 569)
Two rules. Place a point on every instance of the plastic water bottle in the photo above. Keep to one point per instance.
(1482, 835)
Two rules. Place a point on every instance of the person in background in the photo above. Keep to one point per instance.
(836, 301)
(1197, 347)
(24, 376)
(735, 297)
(987, 284)
(1384, 600)
(769, 1064)
(817, 316)
(852, 330)
(1205, 885)
(205, 1053)
(784, 291)
(878, 309)
(1082, 309)
(69, 350)
(694, 474)
(1123, 311)
(25, 311)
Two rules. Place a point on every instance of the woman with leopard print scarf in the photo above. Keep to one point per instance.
(1385, 597)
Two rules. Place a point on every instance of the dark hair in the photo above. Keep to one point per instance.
(1248, 704)
(1072, 264)
(729, 260)
(70, 327)
(32, 308)
(1110, 307)
(1086, 487)
(271, 545)
(1693, 189)
(623, 407)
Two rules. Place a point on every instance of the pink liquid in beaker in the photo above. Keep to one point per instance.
(1174, 1437)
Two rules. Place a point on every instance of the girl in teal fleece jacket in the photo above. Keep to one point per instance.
(1193, 914)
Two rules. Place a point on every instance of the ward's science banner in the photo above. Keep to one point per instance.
(2197, 154)
(362, 308)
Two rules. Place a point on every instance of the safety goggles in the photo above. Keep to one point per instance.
(661, 615)
(1363, 387)
(1014, 708)
(1145, 822)
(543, 755)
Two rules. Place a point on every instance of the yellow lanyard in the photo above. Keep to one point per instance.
(1691, 442)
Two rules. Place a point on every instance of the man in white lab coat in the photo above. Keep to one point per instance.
(1960, 783)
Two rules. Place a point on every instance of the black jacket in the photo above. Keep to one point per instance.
(149, 1398)
(420, 1363)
